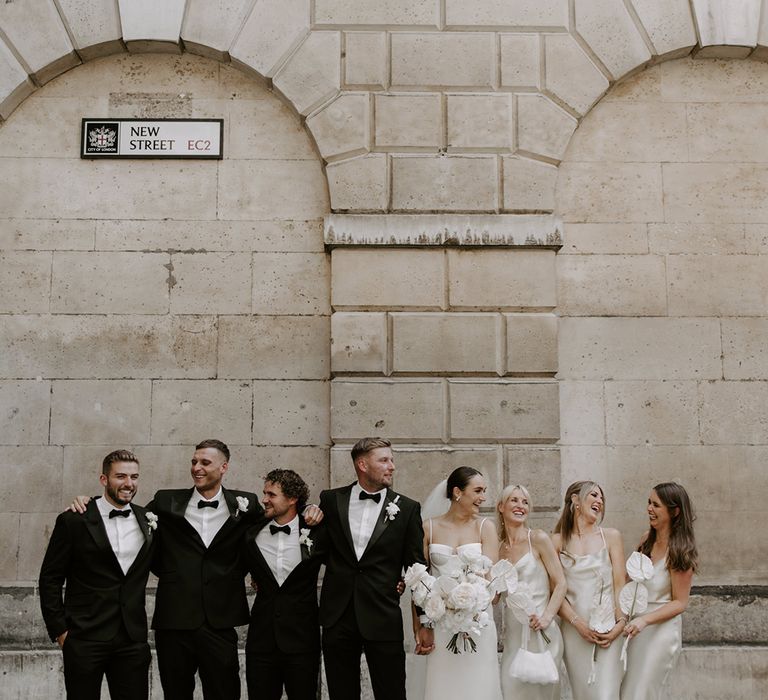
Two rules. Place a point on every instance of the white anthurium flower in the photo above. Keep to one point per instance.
(633, 599)
(639, 567)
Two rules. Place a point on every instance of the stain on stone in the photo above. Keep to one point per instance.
(171, 280)
(378, 424)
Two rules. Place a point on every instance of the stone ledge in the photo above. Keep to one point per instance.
(520, 231)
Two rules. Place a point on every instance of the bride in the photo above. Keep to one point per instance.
(458, 529)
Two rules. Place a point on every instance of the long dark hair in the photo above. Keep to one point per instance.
(459, 478)
(567, 520)
(681, 552)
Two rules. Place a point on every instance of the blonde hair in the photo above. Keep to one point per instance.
(505, 494)
(565, 525)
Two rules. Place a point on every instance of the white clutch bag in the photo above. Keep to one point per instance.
(533, 667)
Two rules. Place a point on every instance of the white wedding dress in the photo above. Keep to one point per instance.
(469, 675)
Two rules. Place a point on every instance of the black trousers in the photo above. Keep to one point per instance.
(124, 662)
(342, 647)
(268, 672)
(210, 652)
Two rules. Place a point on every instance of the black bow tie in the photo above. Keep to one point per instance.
(274, 529)
(207, 504)
(119, 513)
(375, 497)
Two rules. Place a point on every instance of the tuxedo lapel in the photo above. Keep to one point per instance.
(342, 503)
(141, 519)
(234, 514)
(95, 526)
(382, 522)
(256, 552)
(179, 502)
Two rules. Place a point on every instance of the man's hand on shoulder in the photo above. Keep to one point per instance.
(79, 503)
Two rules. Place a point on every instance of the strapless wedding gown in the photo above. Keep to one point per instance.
(469, 675)
(652, 654)
(531, 571)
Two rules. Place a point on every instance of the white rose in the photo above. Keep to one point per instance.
(434, 608)
(414, 574)
(464, 597)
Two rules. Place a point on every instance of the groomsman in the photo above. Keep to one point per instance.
(201, 591)
(104, 559)
(372, 533)
(283, 646)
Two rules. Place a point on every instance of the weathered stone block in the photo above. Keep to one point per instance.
(365, 60)
(266, 128)
(520, 65)
(414, 278)
(273, 347)
(745, 348)
(408, 12)
(183, 411)
(452, 183)
(214, 25)
(144, 20)
(543, 127)
(529, 185)
(538, 469)
(250, 464)
(46, 50)
(570, 74)
(32, 475)
(408, 120)
(605, 285)
(9, 527)
(503, 410)
(100, 412)
(636, 132)
(480, 121)
(92, 25)
(108, 347)
(605, 238)
(410, 410)
(501, 278)
(271, 189)
(34, 532)
(582, 413)
(698, 81)
(342, 126)
(94, 282)
(455, 343)
(615, 192)
(24, 412)
(269, 236)
(523, 13)
(724, 24)
(733, 412)
(290, 283)
(621, 49)
(642, 348)
(20, 234)
(697, 238)
(735, 138)
(531, 343)
(291, 412)
(717, 285)
(669, 25)
(313, 73)
(25, 282)
(359, 184)
(15, 86)
(359, 342)
(651, 413)
(443, 59)
(210, 283)
(273, 29)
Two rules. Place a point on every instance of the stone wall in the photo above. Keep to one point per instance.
(150, 304)
(662, 295)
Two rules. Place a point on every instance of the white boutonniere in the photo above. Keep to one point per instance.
(151, 520)
(305, 539)
(392, 509)
(242, 504)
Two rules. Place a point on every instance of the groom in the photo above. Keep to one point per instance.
(373, 533)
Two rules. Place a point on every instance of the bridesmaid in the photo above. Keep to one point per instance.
(656, 636)
(593, 561)
(535, 559)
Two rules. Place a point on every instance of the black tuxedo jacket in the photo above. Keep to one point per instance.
(370, 584)
(285, 618)
(197, 583)
(99, 597)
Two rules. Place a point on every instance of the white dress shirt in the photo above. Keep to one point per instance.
(207, 521)
(282, 552)
(362, 517)
(125, 535)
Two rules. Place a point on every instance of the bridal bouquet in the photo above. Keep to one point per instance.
(458, 600)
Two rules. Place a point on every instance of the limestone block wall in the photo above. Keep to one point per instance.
(662, 296)
(150, 304)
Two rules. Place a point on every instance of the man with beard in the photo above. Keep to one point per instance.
(104, 557)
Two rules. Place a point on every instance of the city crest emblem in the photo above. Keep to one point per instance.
(101, 138)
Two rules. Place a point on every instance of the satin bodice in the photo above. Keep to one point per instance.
(589, 577)
(660, 586)
(531, 570)
(445, 559)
